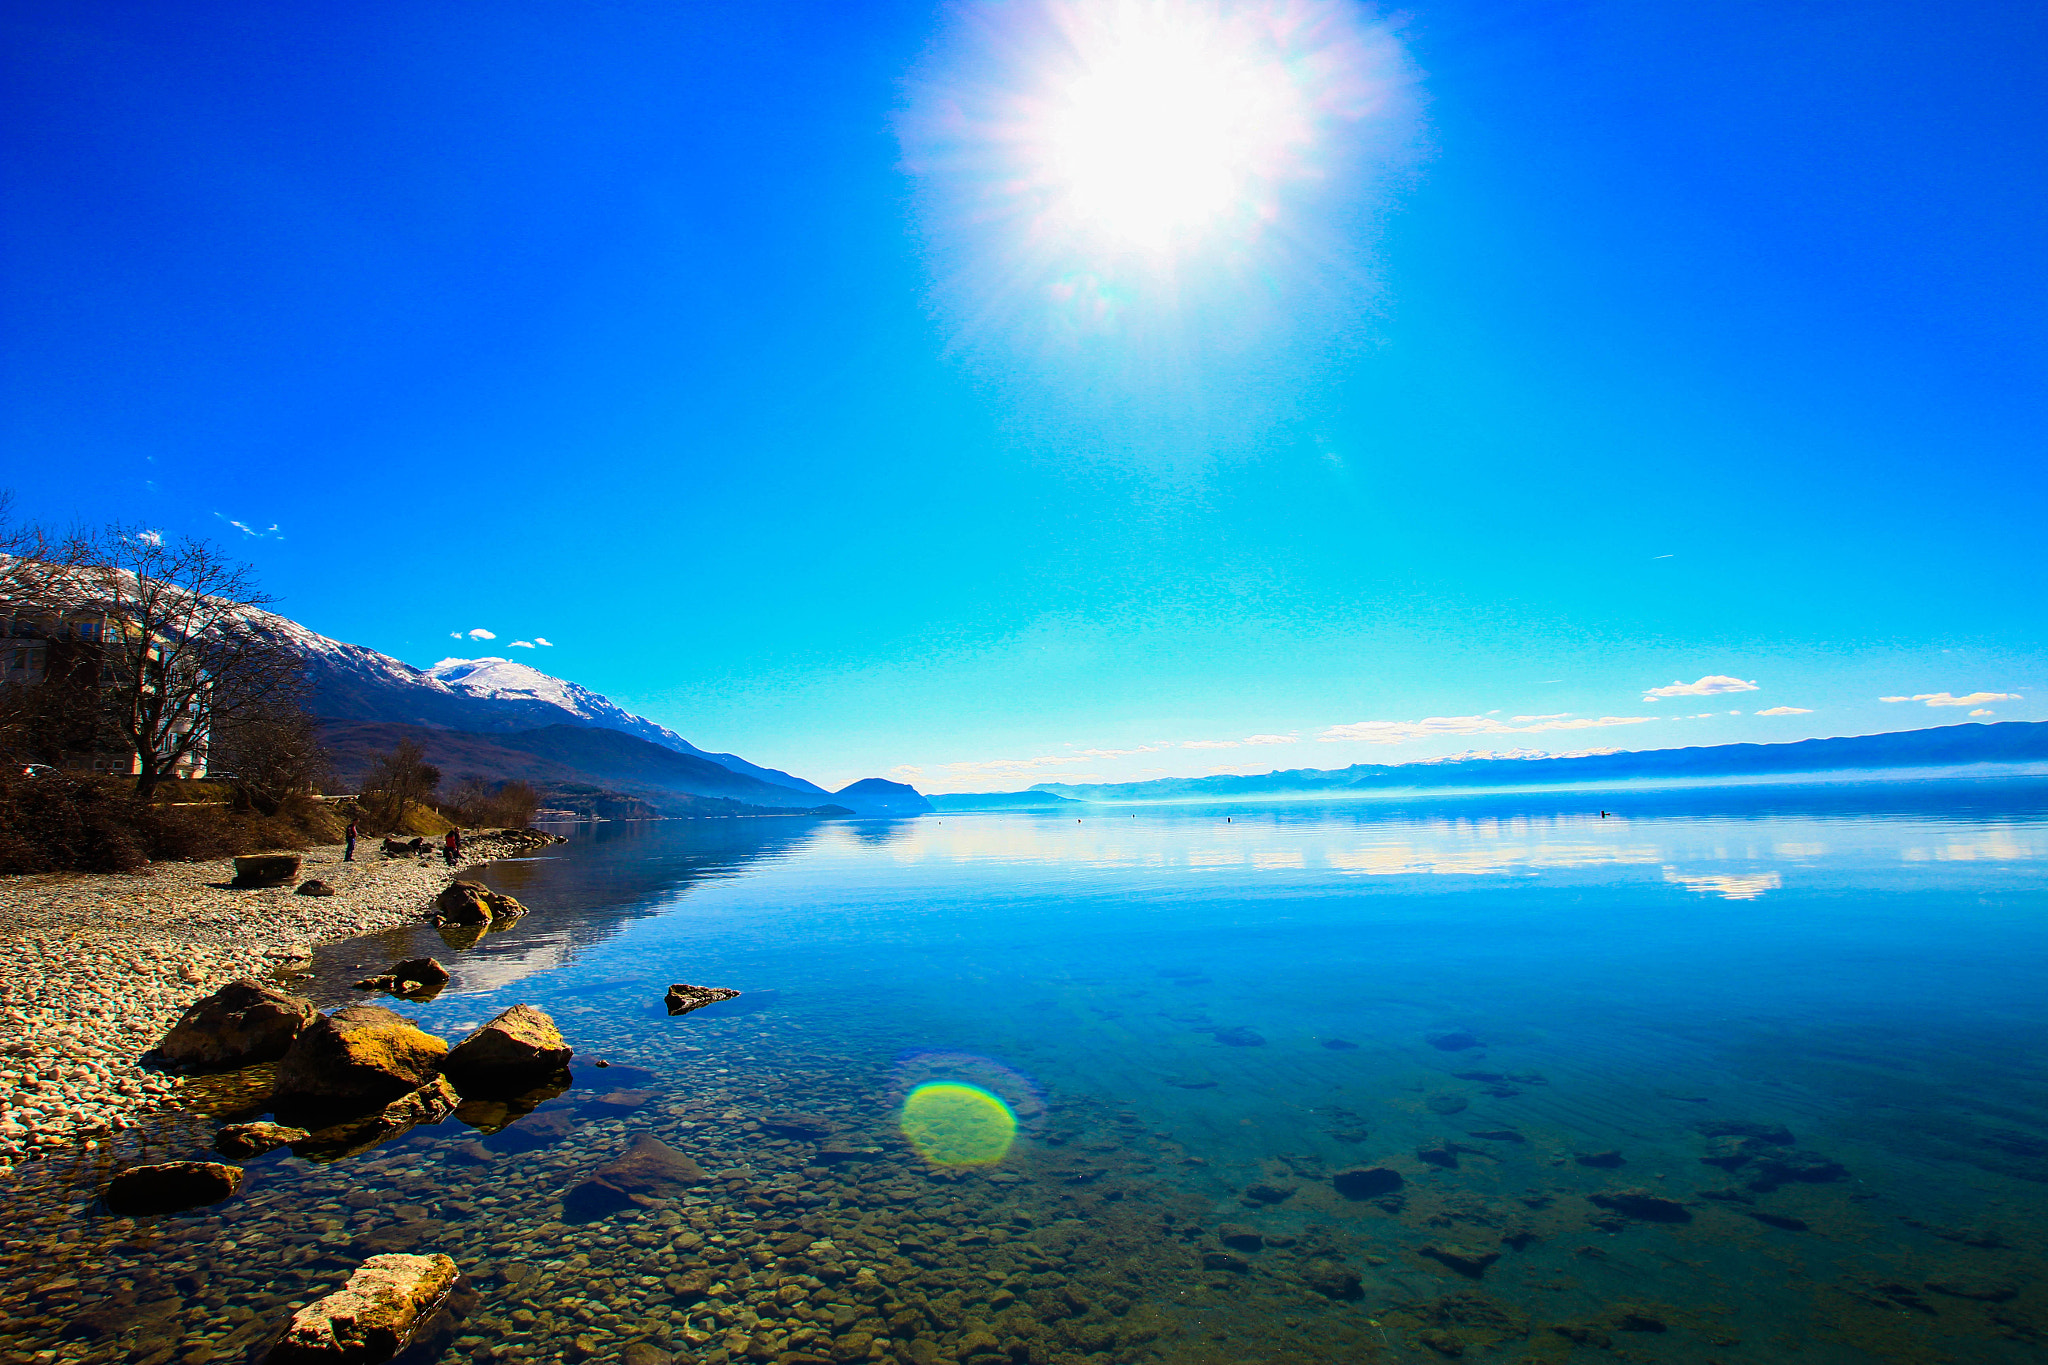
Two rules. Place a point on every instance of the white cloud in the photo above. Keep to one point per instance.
(1980, 711)
(543, 642)
(1208, 744)
(522, 644)
(1787, 711)
(150, 537)
(1947, 699)
(1712, 685)
(1270, 739)
(1524, 720)
(906, 772)
(481, 634)
(1437, 727)
(246, 529)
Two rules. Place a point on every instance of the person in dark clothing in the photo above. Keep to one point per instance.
(452, 846)
(348, 854)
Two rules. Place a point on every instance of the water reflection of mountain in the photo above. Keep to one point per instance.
(581, 894)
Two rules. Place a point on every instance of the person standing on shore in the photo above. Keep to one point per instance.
(348, 854)
(452, 846)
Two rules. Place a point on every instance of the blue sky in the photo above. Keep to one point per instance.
(1629, 345)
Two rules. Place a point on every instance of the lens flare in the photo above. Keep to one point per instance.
(1164, 199)
(955, 1124)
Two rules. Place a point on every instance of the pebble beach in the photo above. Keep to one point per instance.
(94, 968)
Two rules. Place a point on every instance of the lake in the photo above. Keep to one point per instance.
(1730, 1075)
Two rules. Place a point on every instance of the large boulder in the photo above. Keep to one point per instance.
(682, 998)
(650, 1169)
(375, 1316)
(467, 902)
(267, 869)
(172, 1185)
(357, 1058)
(514, 1052)
(241, 1024)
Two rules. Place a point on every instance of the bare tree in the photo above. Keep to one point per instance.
(38, 722)
(398, 781)
(273, 753)
(180, 653)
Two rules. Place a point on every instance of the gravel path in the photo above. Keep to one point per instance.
(95, 968)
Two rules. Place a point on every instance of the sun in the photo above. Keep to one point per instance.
(1157, 123)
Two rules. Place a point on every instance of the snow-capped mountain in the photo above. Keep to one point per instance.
(510, 682)
(351, 682)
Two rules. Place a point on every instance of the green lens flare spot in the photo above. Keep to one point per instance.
(952, 1124)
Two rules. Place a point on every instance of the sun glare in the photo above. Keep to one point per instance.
(1151, 219)
(1161, 122)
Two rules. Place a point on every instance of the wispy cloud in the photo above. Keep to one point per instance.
(1524, 720)
(1209, 744)
(1712, 685)
(1787, 711)
(1270, 739)
(150, 537)
(543, 642)
(1438, 727)
(1981, 711)
(246, 529)
(521, 644)
(481, 634)
(1949, 699)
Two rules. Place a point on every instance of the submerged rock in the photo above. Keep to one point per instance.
(683, 997)
(374, 1317)
(1439, 1154)
(355, 1058)
(1332, 1279)
(254, 1139)
(1783, 1167)
(1606, 1160)
(514, 1052)
(431, 1103)
(421, 976)
(1982, 1288)
(170, 1186)
(1778, 1220)
(1646, 1205)
(1340, 1045)
(1367, 1182)
(791, 1123)
(650, 1169)
(1467, 1261)
(1775, 1134)
(1239, 1036)
(1455, 1040)
(241, 1024)
(1238, 1237)
(1266, 1192)
(1445, 1104)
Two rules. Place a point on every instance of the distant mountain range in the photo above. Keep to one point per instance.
(1945, 746)
(503, 720)
(987, 801)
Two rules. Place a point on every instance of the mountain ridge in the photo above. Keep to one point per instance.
(2015, 741)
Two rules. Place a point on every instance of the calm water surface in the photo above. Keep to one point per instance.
(1555, 1029)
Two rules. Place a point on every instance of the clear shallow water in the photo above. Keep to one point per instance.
(1183, 1005)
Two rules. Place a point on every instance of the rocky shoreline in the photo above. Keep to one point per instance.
(94, 968)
